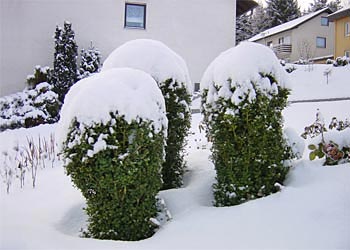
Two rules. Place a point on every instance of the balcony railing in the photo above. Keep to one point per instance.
(282, 49)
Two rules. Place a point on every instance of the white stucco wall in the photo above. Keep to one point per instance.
(198, 30)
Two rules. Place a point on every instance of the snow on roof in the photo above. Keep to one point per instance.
(133, 93)
(287, 26)
(339, 14)
(152, 57)
(243, 65)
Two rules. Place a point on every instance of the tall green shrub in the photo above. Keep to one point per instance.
(177, 101)
(112, 131)
(171, 74)
(119, 183)
(244, 122)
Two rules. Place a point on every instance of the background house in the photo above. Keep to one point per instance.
(307, 37)
(341, 18)
(198, 30)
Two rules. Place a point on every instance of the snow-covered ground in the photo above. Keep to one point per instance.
(311, 212)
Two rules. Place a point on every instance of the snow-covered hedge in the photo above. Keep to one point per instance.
(171, 73)
(339, 61)
(29, 108)
(111, 132)
(244, 91)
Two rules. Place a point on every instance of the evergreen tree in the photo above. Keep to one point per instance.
(65, 60)
(248, 25)
(90, 62)
(320, 4)
(334, 5)
(260, 20)
(243, 28)
(282, 11)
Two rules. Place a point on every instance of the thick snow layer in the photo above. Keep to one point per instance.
(150, 56)
(133, 93)
(238, 68)
(309, 82)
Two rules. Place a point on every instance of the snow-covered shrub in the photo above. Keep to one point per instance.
(112, 131)
(290, 68)
(29, 108)
(341, 61)
(334, 146)
(244, 92)
(65, 72)
(41, 74)
(171, 73)
(90, 62)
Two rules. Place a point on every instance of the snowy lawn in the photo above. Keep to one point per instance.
(311, 212)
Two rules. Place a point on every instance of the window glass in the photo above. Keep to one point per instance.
(135, 15)
(347, 29)
(281, 40)
(324, 21)
(321, 42)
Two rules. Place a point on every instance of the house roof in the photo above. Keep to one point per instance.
(288, 26)
(244, 6)
(344, 12)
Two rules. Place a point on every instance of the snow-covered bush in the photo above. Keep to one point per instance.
(41, 74)
(244, 91)
(90, 62)
(339, 61)
(171, 73)
(112, 131)
(29, 108)
(334, 146)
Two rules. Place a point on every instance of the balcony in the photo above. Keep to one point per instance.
(282, 50)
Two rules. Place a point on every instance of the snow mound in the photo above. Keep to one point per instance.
(133, 93)
(296, 143)
(153, 57)
(242, 64)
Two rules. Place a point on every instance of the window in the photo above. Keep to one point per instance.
(281, 40)
(324, 21)
(321, 42)
(347, 54)
(347, 29)
(269, 44)
(135, 16)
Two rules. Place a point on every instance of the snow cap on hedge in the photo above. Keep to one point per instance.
(133, 93)
(153, 57)
(243, 65)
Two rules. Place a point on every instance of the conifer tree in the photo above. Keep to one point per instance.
(90, 61)
(65, 60)
(282, 11)
(320, 4)
(260, 21)
(243, 28)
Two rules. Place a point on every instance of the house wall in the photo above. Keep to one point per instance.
(308, 32)
(198, 30)
(342, 42)
(274, 40)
